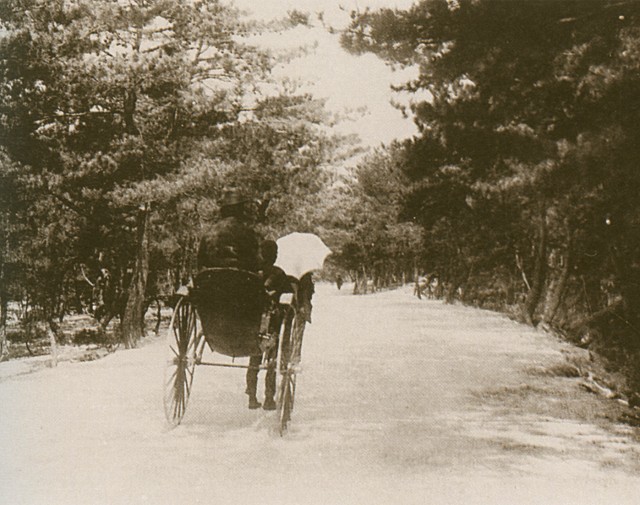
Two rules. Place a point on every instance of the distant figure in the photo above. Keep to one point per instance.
(421, 286)
(435, 287)
(339, 281)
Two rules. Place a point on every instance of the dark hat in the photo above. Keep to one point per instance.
(232, 197)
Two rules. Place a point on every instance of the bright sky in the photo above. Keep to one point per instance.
(347, 81)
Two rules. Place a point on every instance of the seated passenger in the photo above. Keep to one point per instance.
(231, 242)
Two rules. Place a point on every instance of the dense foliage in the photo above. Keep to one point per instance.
(362, 223)
(525, 173)
(121, 123)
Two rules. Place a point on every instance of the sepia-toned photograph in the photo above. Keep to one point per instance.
(320, 252)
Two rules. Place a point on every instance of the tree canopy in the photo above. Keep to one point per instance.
(525, 169)
(120, 125)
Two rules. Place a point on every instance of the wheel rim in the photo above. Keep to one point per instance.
(287, 374)
(293, 390)
(288, 387)
(181, 361)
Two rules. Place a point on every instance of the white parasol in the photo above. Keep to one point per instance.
(299, 253)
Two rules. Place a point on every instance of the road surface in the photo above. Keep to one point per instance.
(400, 401)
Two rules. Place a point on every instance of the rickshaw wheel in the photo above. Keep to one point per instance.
(183, 339)
(285, 405)
(290, 352)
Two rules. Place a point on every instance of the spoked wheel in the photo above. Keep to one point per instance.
(184, 340)
(287, 363)
(286, 396)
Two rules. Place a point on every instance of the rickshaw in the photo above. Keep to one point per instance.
(230, 311)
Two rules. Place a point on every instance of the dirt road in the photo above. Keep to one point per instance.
(400, 401)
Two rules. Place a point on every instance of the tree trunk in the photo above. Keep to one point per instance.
(4, 296)
(627, 277)
(132, 326)
(4, 312)
(156, 330)
(365, 281)
(3, 327)
(52, 329)
(361, 284)
(539, 273)
(556, 290)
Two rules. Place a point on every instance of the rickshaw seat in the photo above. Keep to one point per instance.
(230, 303)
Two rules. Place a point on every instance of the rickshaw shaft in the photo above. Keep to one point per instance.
(233, 365)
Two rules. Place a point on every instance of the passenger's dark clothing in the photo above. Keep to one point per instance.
(276, 281)
(230, 243)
